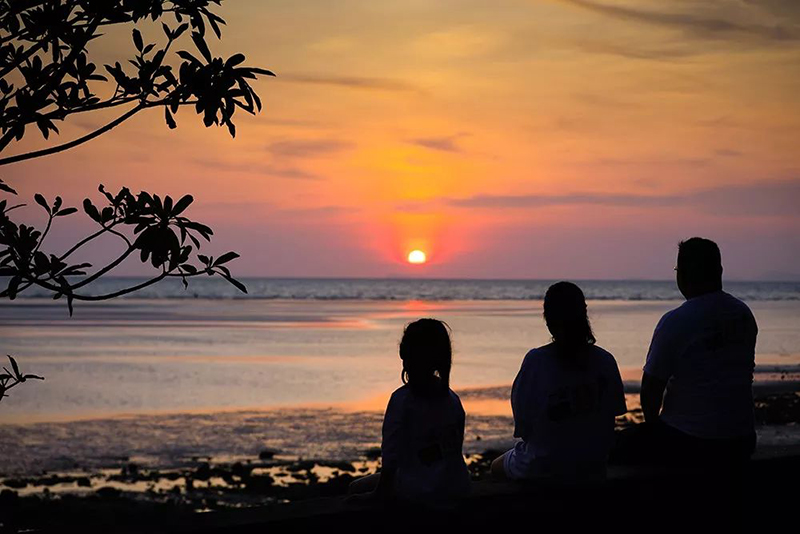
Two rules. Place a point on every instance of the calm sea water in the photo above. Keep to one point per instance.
(295, 348)
(423, 289)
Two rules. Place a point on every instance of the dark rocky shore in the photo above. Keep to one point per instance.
(141, 498)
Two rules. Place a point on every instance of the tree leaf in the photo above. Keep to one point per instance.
(91, 210)
(15, 367)
(234, 60)
(168, 117)
(7, 188)
(66, 211)
(201, 45)
(225, 258)
(137, 39)
(262, 71)
(182, 204)
(13, 285)
(42, 202)
(240, 286)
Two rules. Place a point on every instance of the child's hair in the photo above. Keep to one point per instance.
(567, 319)
(427, 357)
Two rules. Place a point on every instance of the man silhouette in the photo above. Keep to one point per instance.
(696, 390)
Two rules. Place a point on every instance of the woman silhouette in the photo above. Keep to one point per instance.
(564, 397)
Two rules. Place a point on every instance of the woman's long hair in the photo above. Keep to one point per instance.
(427, 356)
(567, 319)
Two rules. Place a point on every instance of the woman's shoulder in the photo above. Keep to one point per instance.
(608, 362)
(399, 395)
(539, 353)
(602, 353)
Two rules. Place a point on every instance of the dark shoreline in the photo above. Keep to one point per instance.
(137, 495)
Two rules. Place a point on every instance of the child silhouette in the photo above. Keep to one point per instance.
(423, 427)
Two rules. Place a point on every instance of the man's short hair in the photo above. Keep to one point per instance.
(699, 260)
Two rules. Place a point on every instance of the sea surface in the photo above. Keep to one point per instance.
(304, 366)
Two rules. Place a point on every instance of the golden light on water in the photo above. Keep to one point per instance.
(417, 256)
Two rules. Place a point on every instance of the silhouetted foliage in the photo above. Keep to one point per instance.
(156, 228)
(46, 74)
(11, 378)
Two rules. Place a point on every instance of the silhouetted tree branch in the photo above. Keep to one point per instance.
(46, 76)
(157, 229)
(13, 377)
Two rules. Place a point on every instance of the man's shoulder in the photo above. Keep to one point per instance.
(675, 316)
(735, 302)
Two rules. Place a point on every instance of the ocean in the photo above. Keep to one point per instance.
(301, 365)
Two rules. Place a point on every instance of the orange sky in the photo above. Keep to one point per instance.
(526, 139)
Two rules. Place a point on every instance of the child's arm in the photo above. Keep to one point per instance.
(391, 445)
(385, 489)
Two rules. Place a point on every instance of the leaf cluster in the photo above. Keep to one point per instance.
(156, 228)
(46, 74)
(9, 379)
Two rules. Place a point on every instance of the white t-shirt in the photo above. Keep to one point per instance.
(564, 412)
(705, 349)
(423, 438)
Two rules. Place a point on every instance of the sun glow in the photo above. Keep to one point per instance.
(417, 256)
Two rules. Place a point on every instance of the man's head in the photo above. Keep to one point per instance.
(699, 269)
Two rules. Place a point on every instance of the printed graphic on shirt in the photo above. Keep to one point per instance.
(572, 402)
(725, 331)
(442, 442)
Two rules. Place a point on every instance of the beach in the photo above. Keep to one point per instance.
(220, 402)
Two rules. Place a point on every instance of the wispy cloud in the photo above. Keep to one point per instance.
(667, 53)
(728, 152)
(712, 21)
(540, 201)
(660, 162)
(353, 82)
(445, 143)
(778, 198)
(257, 168)
(307, 148)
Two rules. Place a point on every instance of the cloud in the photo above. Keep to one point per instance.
(321, 211)
(719, 25)
(445, 144)
(777, 198)
(257, 168)
(352, 82)
(268, 210)
(669, 53)
(540, 201)
(661, 162)
(307, 148)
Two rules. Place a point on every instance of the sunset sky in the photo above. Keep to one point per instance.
(504, 138)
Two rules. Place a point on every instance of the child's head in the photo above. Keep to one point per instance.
(427, 356)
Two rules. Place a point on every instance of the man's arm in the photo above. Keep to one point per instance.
(651, 396)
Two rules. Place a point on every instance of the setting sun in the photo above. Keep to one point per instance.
(417, 256)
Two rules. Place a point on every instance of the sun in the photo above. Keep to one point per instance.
(417, 256)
